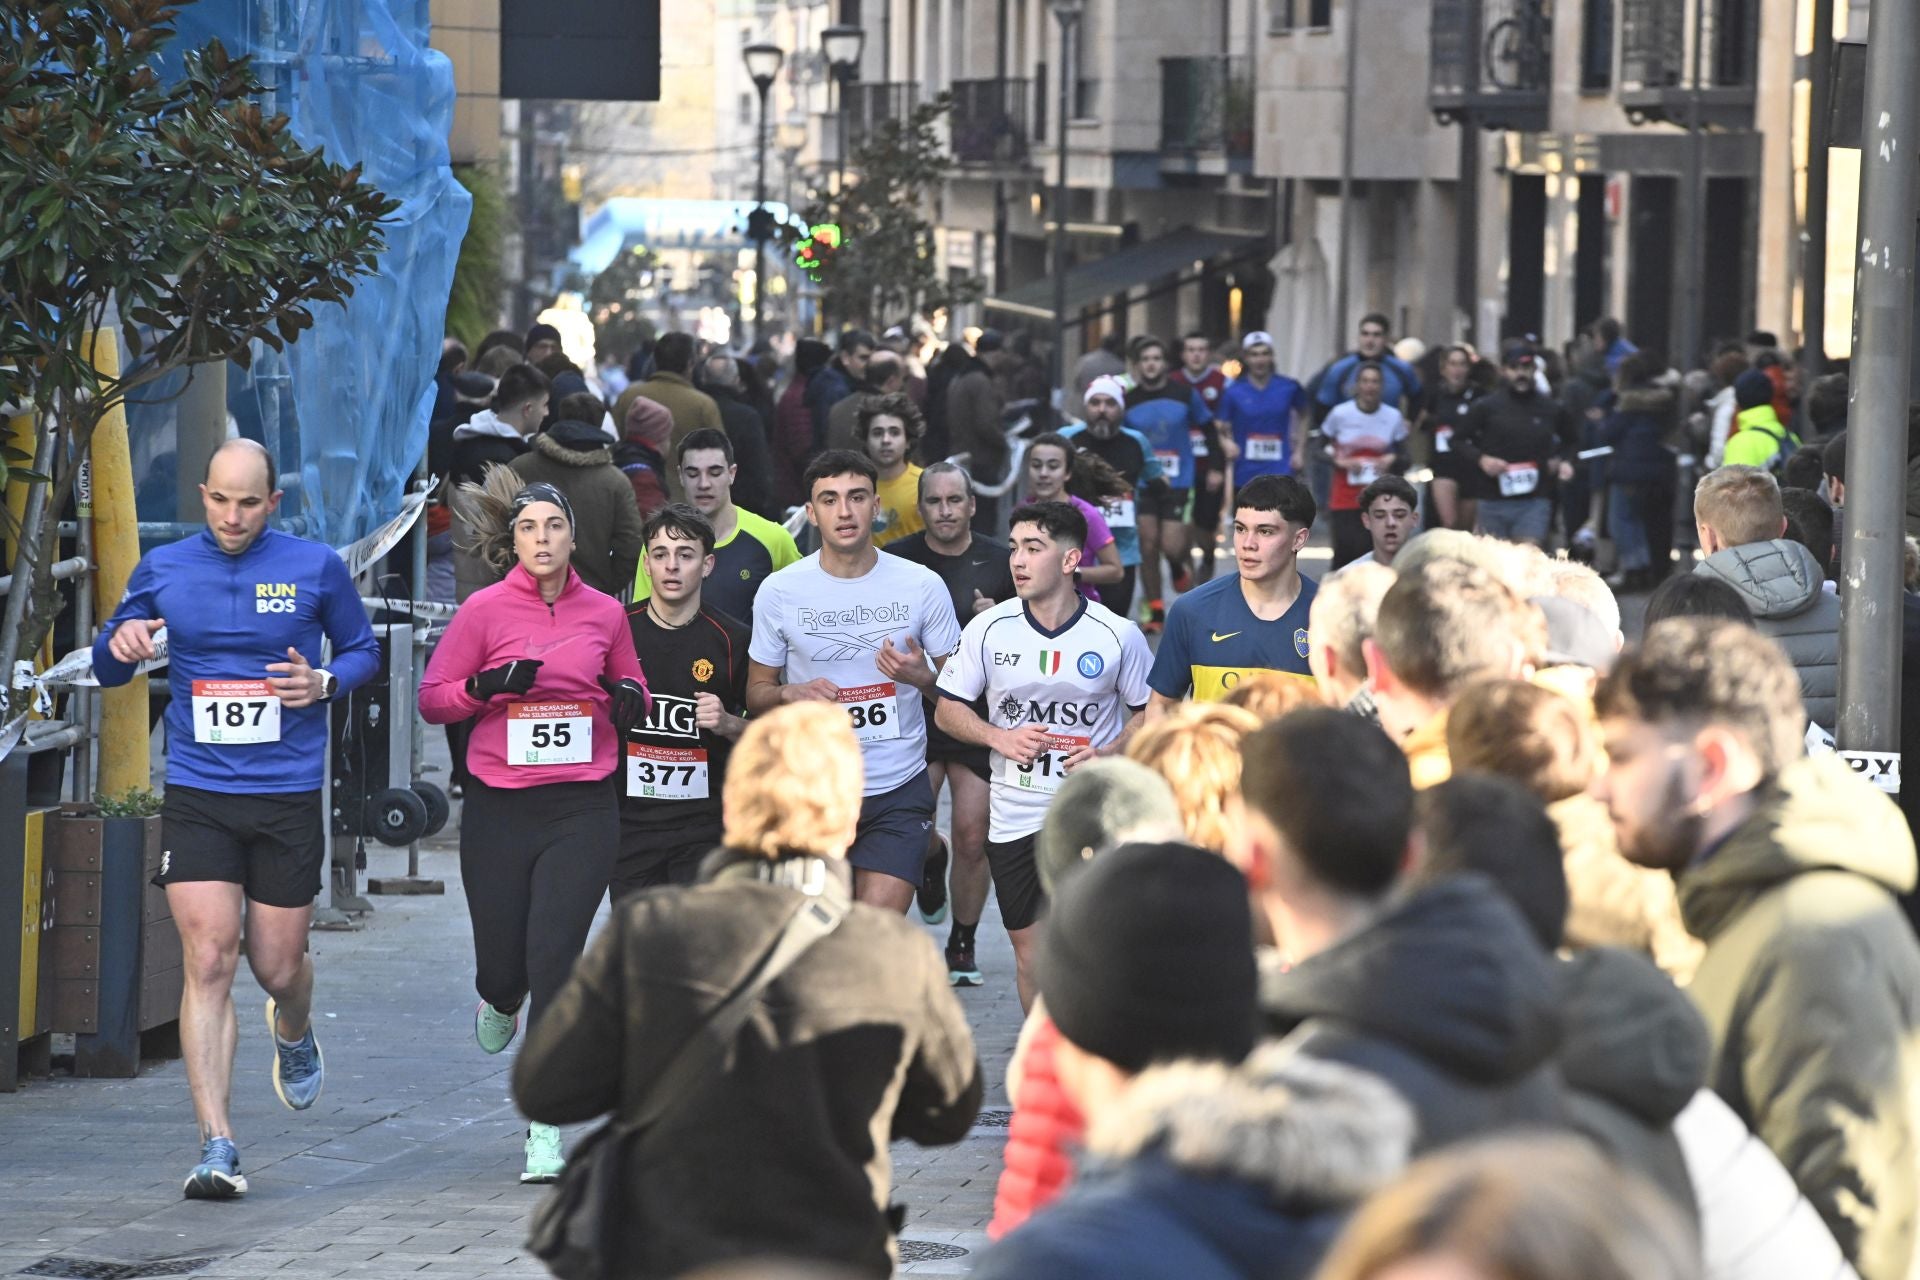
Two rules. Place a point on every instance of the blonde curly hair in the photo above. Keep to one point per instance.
(1196, 748)
(794, 783)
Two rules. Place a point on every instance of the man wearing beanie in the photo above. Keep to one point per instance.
(1758, 437)
(1208, 1159)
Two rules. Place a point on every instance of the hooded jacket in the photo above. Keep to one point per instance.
(1759, 436)
(574, 458)
(1637, 430)
(480, 441)
(1212, 1172)
(1449, 996)
(1811, 989)
(974, 404)
(1783, 585)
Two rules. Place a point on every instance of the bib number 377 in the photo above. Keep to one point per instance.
(549, 733)
(875, 711)
(228, 712)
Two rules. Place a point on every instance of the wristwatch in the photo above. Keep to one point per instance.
(329, 684)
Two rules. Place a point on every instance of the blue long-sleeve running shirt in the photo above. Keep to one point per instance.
(228, 616)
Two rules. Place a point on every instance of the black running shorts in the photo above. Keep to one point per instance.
(1016, 880)
(273, 846)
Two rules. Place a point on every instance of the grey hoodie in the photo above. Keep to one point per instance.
(1782, 584)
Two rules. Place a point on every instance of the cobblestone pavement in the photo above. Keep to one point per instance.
(409, 1163)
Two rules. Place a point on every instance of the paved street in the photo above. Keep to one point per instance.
(409, 1163)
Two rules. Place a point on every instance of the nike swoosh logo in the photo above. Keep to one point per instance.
(981, 564)
(1217, 637)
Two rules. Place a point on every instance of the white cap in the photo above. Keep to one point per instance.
(1107, 385)
(1258, 338)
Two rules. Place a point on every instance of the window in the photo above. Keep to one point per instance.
(1319, 13)
(1282, 17)
(1596, 46)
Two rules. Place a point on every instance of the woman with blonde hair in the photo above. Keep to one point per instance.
(1196, 748)
(782, 1149)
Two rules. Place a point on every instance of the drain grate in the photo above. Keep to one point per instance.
(98, 1269)
(993, 1120)
(928, 1251)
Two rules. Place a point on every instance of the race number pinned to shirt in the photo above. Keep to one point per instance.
(1264, 449)
(230, 712)
(1170, 466)
(1519, 479)
(1199, 439)
(875, 710)
(1443, 439)
(1049, 768)
(549, 733)
(1362, 472)
(1119, 513)
(1881, 768)
(666, 773)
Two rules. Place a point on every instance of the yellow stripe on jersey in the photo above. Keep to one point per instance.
(1211, 684)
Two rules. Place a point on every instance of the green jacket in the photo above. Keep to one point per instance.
(1811, 988)
(1758, 434)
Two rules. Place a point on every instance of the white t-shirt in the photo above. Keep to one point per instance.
(1077, 681)
(813, 625)
(1375, 432)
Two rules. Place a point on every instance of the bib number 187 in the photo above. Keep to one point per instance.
(231, 712)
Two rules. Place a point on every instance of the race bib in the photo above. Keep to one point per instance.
(1169, 466)
(549, 733)
(666, 773)
(1119, 513)
(1265, 449)
(1519, 480)
(232, 712)
(875, 709)
(1199, 439)
(1443, 439)
(1362, 474)
(1049, 768)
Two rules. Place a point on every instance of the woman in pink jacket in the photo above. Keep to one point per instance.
(544, 667)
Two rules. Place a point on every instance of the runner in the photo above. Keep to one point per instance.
(676, 759)
(1457, 485)
(746, 548)
(1211, 464)
(1057, 472)
(544, 666)
(1167, 413)
(850, 625)
(1366, 439)
(1059, 675)
(246, 751)
(1125, 450)
(1266, 411)
(1390, 512)
(978, 577)
(890, 427)
(1219, 632)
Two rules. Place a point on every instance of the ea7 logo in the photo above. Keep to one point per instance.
(1006, 659)
(275, 597)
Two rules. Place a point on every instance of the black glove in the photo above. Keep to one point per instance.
(629, 703)
(515, 677)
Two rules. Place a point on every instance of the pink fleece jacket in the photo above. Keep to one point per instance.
(580, 637)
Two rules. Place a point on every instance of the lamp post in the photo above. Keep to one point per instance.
(763, 64)
(842, 46)
(1067, 13)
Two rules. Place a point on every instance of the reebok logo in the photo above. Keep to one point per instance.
(858, 616)
(275, 597)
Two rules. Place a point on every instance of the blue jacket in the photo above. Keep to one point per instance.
(1636, 427)
(228, 616)
(1167, 416)
(1335, 382)
(1271, 1155)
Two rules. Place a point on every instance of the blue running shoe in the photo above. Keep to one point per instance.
(217, 1176)
(298, 1069)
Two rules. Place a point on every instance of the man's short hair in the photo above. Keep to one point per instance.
(1389, 487)
(721, 370)
(1827, 403)
(943, 468)
(673, 353)
(260, 451)
(854, 339)
(1379, 318)
(1833, 456)
(1810, 523)
(885, 364)
(1195, 335)
(1285, 495)
(704, 438)
(1695, 595)
(897, 404)
(1345, 610)
(1607, 329)
(519, 384)
(1741, 504)
(1139, 345)
(1803, 469)
(678, 520)
(1475, 822)
(1369, 366)
(1060, 521)
(1450, 623)
(1695, 672)
(1113, 343)
(581, 406)
(1537, 737)
(1338, 791)
(838, 462)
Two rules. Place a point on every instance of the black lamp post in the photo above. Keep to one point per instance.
(843, 46)
(763, 64)
(1068, 13)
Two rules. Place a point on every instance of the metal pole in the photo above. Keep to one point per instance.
(416, 727)
(760, 208)
(83, 629)
(1692, 234)
(1870, 569)
(840, 158)
(1060, 210)
(1813, 234)
(1344, 269)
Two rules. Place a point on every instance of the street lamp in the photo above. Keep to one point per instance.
(763, 64)
(842, 46)
(1067, 13)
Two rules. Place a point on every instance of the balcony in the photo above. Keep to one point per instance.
(869, 106)
(1492, 62)
(988, 124)
(1206, 110)
(1655, 61)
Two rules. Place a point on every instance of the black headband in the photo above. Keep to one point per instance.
(541, 491)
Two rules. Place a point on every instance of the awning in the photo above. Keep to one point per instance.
(1142, 264)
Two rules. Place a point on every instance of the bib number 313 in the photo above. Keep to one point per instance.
(235, 711)
(875, 711)
(1049, 769)
(549, 733)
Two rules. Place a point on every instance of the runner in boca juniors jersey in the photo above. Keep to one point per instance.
(676, 759)
(1059, 675)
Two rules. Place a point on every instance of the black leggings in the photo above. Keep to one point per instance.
(536, 862)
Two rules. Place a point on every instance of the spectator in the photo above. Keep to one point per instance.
(1217, 1161)
(1394, 982)
(1270, 694)
(1612, 344)
(453, 362)
(1690, 595)
(1522, 440)
(1196, 748)
(641, 454)
(1640, 474)
(1389, 510)
(784, 1149)
(1743, 527)
(563, 373)
(793, 422)
(1338, 625)
(1827, 405)
(1104, 361)
(672, 386)
(1787, 869)
(543, 340)
(1720, 407)
(974, 405)
(501, 338)
(1579, 584)
(886, 376)
(720, 377)
(493, 437)
(889, 427)
(1760, 438)
(584, 406)
(844, 375)
(1810, 522)
(1805, 470)
(574, 457)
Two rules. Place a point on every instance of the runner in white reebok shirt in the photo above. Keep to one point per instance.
(853, 625)
(1059, 674)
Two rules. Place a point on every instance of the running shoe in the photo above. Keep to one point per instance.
(932, 893)
(962, 970)
(1156, 618)
(298, 1069)
(1182, 580)
(493, 1029)
(544, 1161)
(217, 1176)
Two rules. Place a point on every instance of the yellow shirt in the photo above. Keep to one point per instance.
(897, 507)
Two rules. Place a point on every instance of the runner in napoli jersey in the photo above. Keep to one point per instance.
(1106, 436)
(1255, 621)
(851, 625)
(1059, 674)
(246, 608)
(676, 759)
(746, 548)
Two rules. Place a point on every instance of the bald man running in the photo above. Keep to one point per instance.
(245, 609)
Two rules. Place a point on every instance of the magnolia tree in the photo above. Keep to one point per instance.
(161, 199)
